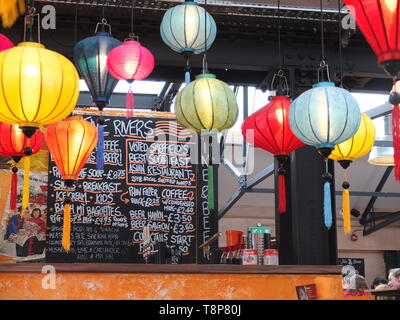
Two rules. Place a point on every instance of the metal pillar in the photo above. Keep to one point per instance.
(303, 237)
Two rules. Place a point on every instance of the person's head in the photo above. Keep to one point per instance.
(394, 278)
(36, 213)
(377, 281)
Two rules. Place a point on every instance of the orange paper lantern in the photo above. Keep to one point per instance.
(70, 142)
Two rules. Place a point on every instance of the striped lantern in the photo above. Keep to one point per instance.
(323, 117)
(188, 29)
(346, 152)
(207, 105)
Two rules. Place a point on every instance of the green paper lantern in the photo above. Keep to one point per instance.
(206, 104)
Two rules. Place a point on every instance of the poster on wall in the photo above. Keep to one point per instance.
(23, 232)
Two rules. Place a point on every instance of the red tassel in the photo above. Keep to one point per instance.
(13, 195)
(130, 103)
(396, 140)
(282, 193)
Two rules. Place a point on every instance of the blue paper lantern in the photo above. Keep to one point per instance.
(90, 56)
(188, 29)
(323, 117)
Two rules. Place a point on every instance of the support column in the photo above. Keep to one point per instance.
(301, 233)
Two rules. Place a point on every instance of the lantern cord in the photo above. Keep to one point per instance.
(279, 35)
(130, 102)
(132, 17)
(346, 204)
(14, 185)
(322, 33)
(66, 235)
(210, 174)
(25, 192)
(340, 43)
(100, 148)
(205, 66)
(76, 25)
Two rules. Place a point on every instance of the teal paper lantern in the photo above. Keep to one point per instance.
(188, 29)
(90, 56)
(323, 117)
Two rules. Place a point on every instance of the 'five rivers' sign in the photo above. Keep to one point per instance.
(148, 181)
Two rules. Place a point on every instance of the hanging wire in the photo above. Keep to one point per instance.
(132, 17)
(104, 9)
(279, 35)
(76, 25)
(322, 33)
(205, 66)
(340, 44)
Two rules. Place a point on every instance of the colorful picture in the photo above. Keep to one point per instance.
(23, 232)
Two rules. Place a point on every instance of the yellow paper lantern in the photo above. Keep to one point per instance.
(356, 147)
(38, 86)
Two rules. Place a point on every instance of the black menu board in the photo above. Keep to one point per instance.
(148, 181)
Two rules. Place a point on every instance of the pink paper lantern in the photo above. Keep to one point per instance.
(5, 43)
(130, 61)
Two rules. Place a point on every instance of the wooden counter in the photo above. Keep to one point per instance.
(154, 268)
(165, 282)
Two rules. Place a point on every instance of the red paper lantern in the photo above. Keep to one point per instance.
(130, 61)
(14, 144)
(269, 129)
(379, 21)
(5, 43)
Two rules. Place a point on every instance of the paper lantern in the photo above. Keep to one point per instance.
(207, 105)
(14, 144)
(10, 10)
(130, 61)
(90, 56)
(70, 142)
(346, 152)
(379, 21)
(38, 86)
(325, 116)
(5, 43)
(269, 129)
(188, 29)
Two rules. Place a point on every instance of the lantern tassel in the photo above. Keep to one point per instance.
(66, 237)
(10, 10)
(327, 205)
(210, 187)
(25, 192)
(100, 148)
(130, 103)
(396, 140)
(282, 193)
(346, 211)
(187, 77)
(13, 194)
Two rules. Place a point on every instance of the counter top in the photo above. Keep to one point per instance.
(159, 268)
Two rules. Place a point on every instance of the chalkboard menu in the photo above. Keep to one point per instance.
(149, 181)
